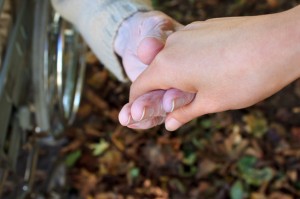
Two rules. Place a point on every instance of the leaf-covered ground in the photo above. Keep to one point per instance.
(250, 153)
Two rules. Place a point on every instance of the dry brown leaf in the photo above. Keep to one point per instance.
(108, 196)
(90, 131)
(273, 3)
(113, 114)
(206, 167)
(293, 175)
(117, 143)
(91, 58)
(84, 111)
(86, 182)
(96, 100)
(111, 163)
(278, 195)
(204, 186)
(98, 79)
(258, 196)
(296, 133)
(72, 146)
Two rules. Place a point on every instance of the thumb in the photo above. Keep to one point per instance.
(160, 74)
(154, 32)
(149, 48)
(148, 81)
(184, 114)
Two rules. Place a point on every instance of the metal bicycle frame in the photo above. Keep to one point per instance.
(41, 79)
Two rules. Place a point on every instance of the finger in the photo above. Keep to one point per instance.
(149, 48)
(148, 105)
(125, 115)
(132, 65)
(146, 124)
(174, 99)
(184, 114)
(154, 32)
(126, 119)
(151, 79)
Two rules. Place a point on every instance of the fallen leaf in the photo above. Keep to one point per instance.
(273, 3)
(91, 58)
(278, 195)
(237, 191)
(84, 111)
(96, 100)
(72, 158)
(257, 196)
(256, 124)
(97, 81)
(206, 167)
(100, 147)
(250, 174)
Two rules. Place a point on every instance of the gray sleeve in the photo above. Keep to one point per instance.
(98, 22)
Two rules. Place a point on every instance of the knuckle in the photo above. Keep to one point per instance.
(172, 38)
(217, 19)
(158, 121)
(161, 60)
(133, 93)
(211, 107)
(183, 115)
(163, 63)
(158, 17)
(191, 25)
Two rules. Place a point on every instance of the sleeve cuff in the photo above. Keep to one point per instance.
(100, 26)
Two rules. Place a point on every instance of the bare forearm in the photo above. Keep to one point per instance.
(284, 49)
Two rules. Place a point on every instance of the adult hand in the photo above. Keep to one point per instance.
(229, 63)
(139, 40)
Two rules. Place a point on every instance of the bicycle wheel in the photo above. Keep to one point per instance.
(58, 70)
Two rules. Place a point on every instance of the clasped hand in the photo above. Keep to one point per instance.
(140, 38)
(215, 65)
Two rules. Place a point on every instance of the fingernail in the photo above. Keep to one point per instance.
(128, 121)
(176, 103)
(143, 115)
(133, 126)
(172, 124)
(147, 113)
(173, 106)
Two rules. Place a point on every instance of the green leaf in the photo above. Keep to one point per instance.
(190, 159)
(257, 177)
(256, 124)
(134, 172)
(199, 143)
(297, 185)
(178, 185)
(237, 190)
(99, 148)
(192, 171)
(246, 163)
(72, 158)
(155, 3)
(250, 174)
(206, 123)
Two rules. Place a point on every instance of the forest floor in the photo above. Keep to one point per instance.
(249, 153)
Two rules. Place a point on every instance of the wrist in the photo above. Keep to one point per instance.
(290, 26)
(282, 44)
